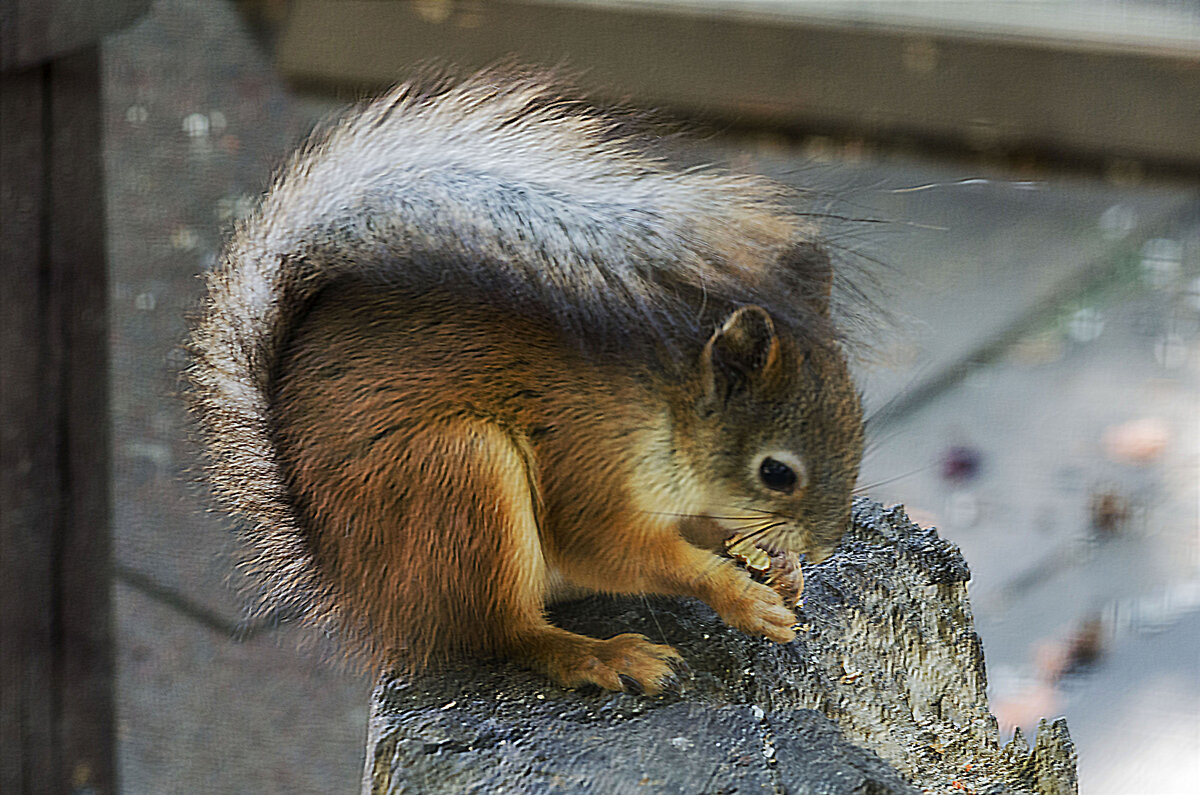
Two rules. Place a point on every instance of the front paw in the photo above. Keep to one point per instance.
(754, 609)
(775, 568)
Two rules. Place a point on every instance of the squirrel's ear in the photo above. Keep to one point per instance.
(810, 269)
(743, 349)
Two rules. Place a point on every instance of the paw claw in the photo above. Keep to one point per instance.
(670, 684)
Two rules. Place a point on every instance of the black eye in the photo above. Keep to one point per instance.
(777, 475)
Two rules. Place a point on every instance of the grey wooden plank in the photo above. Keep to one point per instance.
(57, 729)
(26, 447)
(786, 70)
(79, 291)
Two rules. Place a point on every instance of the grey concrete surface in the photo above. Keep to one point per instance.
(195, 123)
(971, 256)
(199, 712)
(1043, 418)
(1097, 326)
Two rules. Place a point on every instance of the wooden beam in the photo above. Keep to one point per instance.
(57, 730)
(1084, 99)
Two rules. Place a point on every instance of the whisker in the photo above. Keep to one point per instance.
(886, 481)
(777, 519)
(877, 443)
(882, 414)
(852, 252)
(747, 527)
(739, 518)
(762, 511)
(700, 516)
(662, 636)
(754, 530)
(889, 221)
(757, 534)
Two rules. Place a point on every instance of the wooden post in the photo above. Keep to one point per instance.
(57, 728)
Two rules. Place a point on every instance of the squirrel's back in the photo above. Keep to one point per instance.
(500, 190)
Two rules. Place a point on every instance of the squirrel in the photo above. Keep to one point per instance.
(477, 349)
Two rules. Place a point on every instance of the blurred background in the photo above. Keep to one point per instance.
(1023, 180)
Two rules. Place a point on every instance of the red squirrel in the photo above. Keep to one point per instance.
(477, 350)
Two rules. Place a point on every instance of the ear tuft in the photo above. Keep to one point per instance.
(743, 349)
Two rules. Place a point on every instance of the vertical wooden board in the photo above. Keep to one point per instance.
(26, 446)
(56, 669)
(35, 31)
(79, 312)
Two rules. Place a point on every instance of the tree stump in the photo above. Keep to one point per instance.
(883, 691)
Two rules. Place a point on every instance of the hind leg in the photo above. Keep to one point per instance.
(626, 662)
(478, 494)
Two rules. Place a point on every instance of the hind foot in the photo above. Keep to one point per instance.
(629, 663)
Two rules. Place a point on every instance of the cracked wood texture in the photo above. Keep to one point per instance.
(884, 691)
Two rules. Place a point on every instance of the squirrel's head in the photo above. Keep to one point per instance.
(778, 435)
